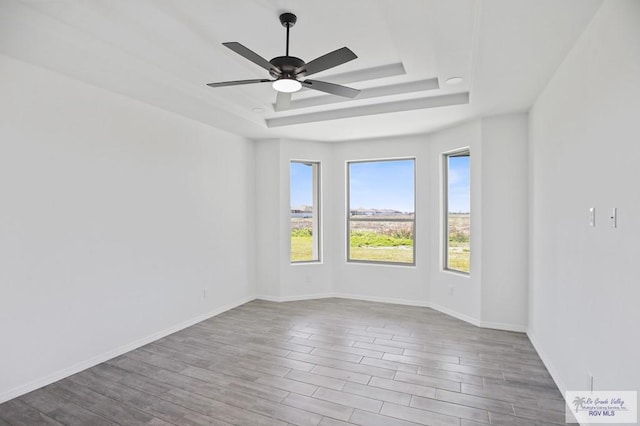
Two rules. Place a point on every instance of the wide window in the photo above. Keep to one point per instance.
(305, 211)
(381, 211)
(457, 211)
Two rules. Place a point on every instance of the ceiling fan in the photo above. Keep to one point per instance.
(287, 71)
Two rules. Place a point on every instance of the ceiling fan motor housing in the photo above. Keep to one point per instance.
(287, 65)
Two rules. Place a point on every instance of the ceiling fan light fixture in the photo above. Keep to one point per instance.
(287, 85)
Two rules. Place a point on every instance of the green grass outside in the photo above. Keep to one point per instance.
(459, 245)
(383, 254)
(391, 245)
(459, 255)
(301, 248)
(374, 246)
(365, 245)
(376, 239)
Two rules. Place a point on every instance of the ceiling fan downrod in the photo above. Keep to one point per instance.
(288, 20)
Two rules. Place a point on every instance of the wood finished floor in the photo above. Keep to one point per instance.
(322, 362)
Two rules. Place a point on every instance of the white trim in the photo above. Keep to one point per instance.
(406, 302)
(456, 314)
(295, 298)
(345, 296)
(546, 360)
(555, 374)
(482, 324)
(91, 362)
(503, 326)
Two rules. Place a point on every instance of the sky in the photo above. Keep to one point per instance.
(459, 182)
(385, 185)
(301, 185)
(382, 185)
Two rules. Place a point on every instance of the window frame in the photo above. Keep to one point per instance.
(459, 152)
(349, 219)
(316, 224)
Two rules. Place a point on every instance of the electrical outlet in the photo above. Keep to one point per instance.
(451, 290)
(204, 293)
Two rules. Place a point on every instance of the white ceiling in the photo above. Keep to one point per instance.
(163, 52)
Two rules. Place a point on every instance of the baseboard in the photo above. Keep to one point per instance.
(555, 374)
(455, 314)
(503, 326)
(343, 296)
(295, 298)
(482, 324)
(407, 302)
(78, 367)
(384, 300)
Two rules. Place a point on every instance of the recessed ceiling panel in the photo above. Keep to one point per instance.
(164, 52)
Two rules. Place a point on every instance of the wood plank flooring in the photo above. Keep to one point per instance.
(325, 362)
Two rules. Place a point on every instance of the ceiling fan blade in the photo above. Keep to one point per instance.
(283, 101)
(251, 55)
(239, 82)
(330, 60)
(334, 89)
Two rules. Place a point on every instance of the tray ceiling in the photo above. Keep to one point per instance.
(163, 52)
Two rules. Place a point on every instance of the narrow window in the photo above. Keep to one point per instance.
(305, 211)
(381, 211)
(457, 211)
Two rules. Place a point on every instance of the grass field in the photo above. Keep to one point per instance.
(370, 241)
(459, 242)
(386, 241)
(400, 254)
(301, 244)
(381, 241)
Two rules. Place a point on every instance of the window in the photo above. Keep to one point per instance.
(381, 206)
(305, 211)
(457, 211)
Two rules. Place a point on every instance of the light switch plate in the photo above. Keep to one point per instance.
(592, 217)
(614, 217)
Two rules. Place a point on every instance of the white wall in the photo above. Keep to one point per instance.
(454, 293)
(268, 218)
(495, 293)
(278, 278)
(584, 151)
(311, 279)
(505, 221)
(406, 284)
(115, 218)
